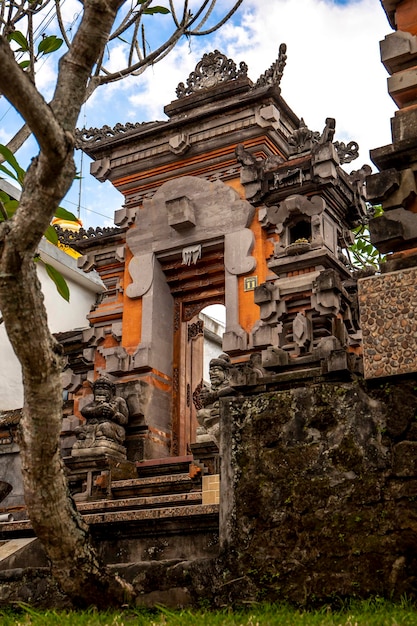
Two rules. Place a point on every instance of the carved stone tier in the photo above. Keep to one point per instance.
(107, 447)
(90, 475)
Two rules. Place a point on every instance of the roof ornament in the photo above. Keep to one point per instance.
(347, 153)
(213, 69)
(97, 134)
(274, 74)
(303, 138)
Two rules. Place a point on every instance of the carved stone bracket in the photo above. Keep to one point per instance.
(178, 144)
(347, 153)
(191, 254)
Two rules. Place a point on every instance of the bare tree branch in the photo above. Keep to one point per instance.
(131, 24)
(23, 95)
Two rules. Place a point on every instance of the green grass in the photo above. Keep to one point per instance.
(376, 612)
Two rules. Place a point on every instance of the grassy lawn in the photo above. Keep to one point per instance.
(371, 613)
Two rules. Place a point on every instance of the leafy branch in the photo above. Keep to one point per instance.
(362, 253)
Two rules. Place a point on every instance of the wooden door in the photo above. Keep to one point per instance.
(188, 377)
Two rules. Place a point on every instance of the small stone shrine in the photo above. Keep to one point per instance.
(232, 200)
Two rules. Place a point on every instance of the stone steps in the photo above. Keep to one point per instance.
(157, 515)
(152, 485)
(141, 502)
(168, 465)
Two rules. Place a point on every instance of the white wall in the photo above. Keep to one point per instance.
(62, 316)
(213, 336)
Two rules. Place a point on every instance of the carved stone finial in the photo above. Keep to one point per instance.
(303, 138)
(347, 153)
(214, 68)
(273, 75)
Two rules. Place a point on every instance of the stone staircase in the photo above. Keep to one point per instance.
(157, 515)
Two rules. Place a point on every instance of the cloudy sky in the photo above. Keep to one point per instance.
(333, 70)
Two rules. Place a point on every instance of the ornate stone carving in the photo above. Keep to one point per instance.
(104, 430)
(273, 75)
(347, 153)
(70, 237)
(196, 396)
(191, 254)
(208, 416)
(98, 134)
(303, 138)
(213, 69)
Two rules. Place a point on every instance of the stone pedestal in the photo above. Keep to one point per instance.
(206, 455)
(90, 475)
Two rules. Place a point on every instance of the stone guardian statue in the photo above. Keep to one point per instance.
(106, 417)
(209, 415)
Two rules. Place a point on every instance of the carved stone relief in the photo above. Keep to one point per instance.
(213, 69)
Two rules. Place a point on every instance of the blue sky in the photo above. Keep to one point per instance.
(333, 70)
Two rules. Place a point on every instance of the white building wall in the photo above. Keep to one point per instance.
(213, 337)
(62, 316)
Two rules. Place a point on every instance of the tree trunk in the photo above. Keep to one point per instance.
(54, 518)
(52, 512)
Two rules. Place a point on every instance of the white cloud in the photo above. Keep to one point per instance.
(333, 68)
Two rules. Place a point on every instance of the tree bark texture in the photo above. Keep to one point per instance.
(51, 509)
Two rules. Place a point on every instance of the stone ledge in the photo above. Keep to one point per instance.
(24, 528)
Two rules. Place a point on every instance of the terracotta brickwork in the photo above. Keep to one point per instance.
(388, 305)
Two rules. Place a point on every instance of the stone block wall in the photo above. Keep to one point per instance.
(388, 317)
(319, 492)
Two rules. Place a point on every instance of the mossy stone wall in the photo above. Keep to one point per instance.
(319, 491)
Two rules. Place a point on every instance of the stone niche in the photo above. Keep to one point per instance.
(388, 315)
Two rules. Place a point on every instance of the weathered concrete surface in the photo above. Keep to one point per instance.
(319, 492)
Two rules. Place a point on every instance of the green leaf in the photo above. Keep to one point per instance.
(20, 39)
(153, 10)
(11, 207)
(6, 171)
(24, 64)
(50, 234)
(59, 280)
(378, 210)
(11, 160)
(63, 214)
(49, 44)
